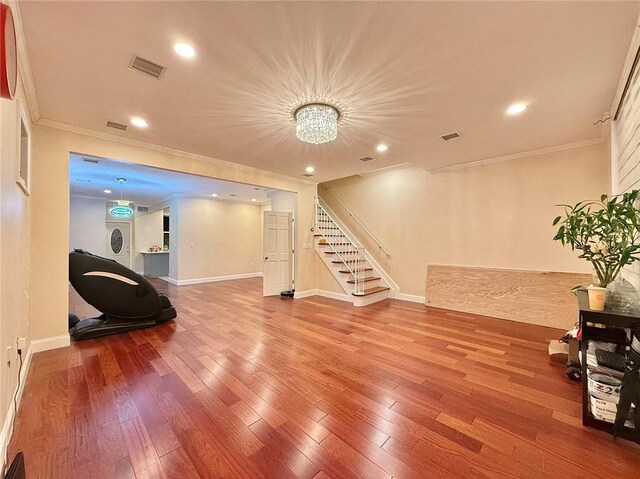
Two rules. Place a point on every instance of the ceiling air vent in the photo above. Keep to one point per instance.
(146, 66)
(450, 136)
(308, 175)
(143, 209)
(366, 158)
(117, 126)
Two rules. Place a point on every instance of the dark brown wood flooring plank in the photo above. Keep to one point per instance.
(243, 386)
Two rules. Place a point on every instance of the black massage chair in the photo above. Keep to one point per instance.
(127, 300)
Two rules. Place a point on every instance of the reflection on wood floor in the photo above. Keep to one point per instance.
(242, 386)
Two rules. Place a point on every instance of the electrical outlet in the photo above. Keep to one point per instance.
(9, 354)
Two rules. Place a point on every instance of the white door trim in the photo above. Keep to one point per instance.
(269, 287)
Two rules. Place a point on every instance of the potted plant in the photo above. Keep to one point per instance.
(607, 234)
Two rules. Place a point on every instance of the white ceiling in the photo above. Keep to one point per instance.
(147, 186)
(401, 73)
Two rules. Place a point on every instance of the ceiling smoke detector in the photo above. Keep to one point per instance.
(147, 67)
(117, 126)
(450, 136)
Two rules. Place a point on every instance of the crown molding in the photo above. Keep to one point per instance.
(169, 151)
(630, 63)
(24, 65)
(517, 156)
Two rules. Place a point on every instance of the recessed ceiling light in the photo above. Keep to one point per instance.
(382, 148)
(253, 199)
(516, 109)
(139, 122)
(309, 169)
(107, 192)
(214, 194)
(184, 50)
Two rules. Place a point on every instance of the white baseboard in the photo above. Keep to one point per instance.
(304, 294)
(411, 297)
(7, 431)
(332, 295)
(322, 292)
(46, 344)
(36, 346)
(211, 279)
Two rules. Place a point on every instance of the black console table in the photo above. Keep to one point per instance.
(601, 326)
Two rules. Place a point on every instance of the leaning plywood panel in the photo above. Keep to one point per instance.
(534, 297)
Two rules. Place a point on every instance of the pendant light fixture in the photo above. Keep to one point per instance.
(122, 209)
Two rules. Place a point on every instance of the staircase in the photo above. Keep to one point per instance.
(347, 260)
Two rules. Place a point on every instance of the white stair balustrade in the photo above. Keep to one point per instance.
(347, 260)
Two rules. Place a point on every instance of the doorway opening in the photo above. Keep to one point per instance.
(182, 228)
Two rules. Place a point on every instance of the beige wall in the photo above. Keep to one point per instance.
(87, 227)
(15, 209)
(50, 204)
(217, 238)
(497, 215)
(283, 201)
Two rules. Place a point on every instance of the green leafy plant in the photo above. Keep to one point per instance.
(606, 232)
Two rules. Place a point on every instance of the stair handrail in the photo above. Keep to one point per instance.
(353, 215)
(356, 257)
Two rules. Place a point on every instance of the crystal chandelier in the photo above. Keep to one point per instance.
(316, 123)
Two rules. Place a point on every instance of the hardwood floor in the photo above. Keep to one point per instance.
(242, 386)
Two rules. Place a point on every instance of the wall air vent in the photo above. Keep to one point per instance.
(450, 136)
(90, 160)
(142, 209)
(147, 67)
(117, 126)
(366, 158)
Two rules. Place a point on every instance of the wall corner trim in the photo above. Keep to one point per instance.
(517, 156)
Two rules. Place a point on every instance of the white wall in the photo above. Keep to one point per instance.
(625, 144)
(497, 215)
(214, 238)
(148, 232)
(15, 242)
(87, 227)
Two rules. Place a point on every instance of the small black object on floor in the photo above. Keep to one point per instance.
(288, 294)
(16, 469)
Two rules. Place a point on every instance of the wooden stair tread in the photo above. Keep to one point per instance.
(346, 271)
(336, 261)
(371, 291)
(341, 252)
(368, 278)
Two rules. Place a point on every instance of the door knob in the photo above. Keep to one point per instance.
(266, 257)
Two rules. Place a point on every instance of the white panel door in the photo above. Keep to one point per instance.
(118, 242)
(277, 249)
